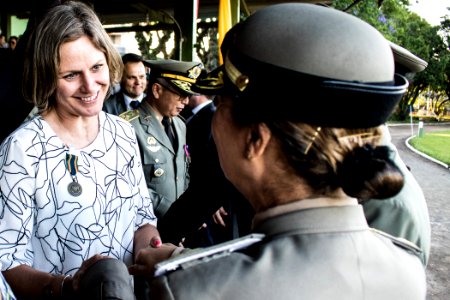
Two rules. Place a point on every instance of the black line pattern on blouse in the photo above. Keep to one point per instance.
(42, 225)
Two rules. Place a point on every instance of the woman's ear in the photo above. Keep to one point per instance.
(258, 138)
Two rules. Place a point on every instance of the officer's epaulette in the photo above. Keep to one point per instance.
(196, 256)
(130, 115)
(400, 242)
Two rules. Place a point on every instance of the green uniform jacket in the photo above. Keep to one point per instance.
(317, 253)
(166, 171)
(406, 214)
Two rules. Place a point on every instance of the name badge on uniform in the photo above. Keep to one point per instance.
(153, 145)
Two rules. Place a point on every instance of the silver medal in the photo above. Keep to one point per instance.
(74, 189)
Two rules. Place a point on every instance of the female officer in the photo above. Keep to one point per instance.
(302, 94)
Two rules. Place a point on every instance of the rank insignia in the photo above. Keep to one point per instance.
(185, 86)
(153, 145)
(129, 115)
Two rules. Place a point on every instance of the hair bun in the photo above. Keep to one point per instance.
(369, 172)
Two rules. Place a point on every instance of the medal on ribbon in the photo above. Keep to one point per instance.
(74, 188)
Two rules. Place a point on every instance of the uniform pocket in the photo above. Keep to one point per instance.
(155, 168)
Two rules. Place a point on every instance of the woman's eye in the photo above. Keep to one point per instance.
(69, 76)
(97, 67)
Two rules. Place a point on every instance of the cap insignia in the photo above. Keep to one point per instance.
(194, 72)
(185, 86)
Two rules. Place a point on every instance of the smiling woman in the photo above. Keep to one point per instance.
(75, 205)
(82, 86)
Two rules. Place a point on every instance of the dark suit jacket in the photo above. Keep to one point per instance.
(115, 104)
(198, 132)
(208, 190)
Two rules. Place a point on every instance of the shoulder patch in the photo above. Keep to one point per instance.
(400, 242)
(130, 115)
(197, 256)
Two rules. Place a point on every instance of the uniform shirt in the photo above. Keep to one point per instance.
(44, 226)
(166, 170)
(307, 253)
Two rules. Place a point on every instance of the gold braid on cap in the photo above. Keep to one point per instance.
(193, 73)
(179, 77)
(312, 138)
(237, 78)
(211, 83)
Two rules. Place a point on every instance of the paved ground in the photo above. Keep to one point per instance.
(435, 182)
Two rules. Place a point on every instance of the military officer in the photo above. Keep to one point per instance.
(404, 215)
(161, 132)
(302, 164)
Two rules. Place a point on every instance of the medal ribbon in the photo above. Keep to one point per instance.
(72, 164)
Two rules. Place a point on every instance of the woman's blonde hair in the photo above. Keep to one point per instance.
(63, 23)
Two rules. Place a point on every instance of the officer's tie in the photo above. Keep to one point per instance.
(134, 104)
(169, 131)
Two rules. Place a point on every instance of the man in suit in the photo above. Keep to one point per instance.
(199, 124)
(210, 199)
(132, 86)
(161, 132)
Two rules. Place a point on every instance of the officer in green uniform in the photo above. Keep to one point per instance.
(161, 132)
(406, 214)
(303, 163)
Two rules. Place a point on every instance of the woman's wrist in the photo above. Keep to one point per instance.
(54, 287)
(66, 286)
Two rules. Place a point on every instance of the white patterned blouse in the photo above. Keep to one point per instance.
(44, 223)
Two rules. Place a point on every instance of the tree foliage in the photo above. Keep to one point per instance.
(392, 18)
(405, 28)
(207, 47)
(145, 42)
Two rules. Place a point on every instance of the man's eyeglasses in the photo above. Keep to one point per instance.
(181, 97)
